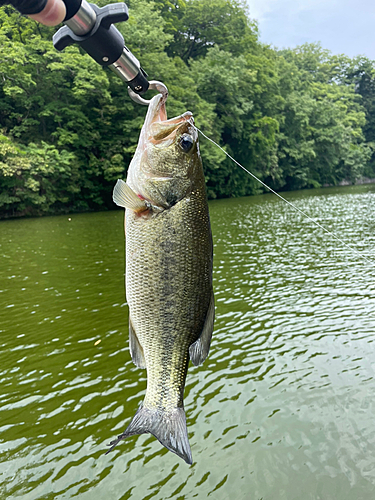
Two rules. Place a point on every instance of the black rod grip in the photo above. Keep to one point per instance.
(26, 7)
(104, 42)
(72, 7)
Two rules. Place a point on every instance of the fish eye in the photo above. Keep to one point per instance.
(186, 142)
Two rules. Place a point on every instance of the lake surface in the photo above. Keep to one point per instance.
(283, 408)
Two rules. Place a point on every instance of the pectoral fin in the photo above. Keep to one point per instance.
(199, 350)
(136, 349)
(125, 197)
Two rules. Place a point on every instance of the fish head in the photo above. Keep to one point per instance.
(167, 160)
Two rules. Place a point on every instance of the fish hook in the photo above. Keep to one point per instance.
(154, 85)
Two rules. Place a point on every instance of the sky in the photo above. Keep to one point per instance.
(342, 26)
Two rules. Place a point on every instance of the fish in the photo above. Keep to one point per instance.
(169, 261)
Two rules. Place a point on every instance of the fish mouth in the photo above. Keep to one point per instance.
(158, 129)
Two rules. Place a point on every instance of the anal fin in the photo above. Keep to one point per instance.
(136, 349)
(200, 349)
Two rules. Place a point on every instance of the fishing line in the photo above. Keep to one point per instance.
(283, 199)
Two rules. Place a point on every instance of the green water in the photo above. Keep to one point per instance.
(283, 409)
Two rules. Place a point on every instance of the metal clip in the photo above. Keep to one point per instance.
(154, 85)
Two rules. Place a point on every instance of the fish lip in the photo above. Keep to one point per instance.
(158, 128)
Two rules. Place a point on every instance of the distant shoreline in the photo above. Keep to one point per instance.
(345, 183)
(358, 182)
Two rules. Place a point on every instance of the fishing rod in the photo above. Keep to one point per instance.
(92, 28)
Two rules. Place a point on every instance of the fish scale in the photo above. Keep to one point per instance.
(169, 335)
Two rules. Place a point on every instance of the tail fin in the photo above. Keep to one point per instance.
(169, 428)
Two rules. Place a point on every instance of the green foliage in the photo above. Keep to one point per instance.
(35, 179)
(321, 138)
(296, 118)
(197, 25)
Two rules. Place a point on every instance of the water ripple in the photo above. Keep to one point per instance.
(283, 403)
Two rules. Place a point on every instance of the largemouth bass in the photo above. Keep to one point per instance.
(168, 270)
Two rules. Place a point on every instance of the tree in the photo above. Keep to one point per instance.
(295, 118)
(201, 24)
(321, 140)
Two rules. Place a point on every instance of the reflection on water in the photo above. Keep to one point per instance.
(282, 408)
